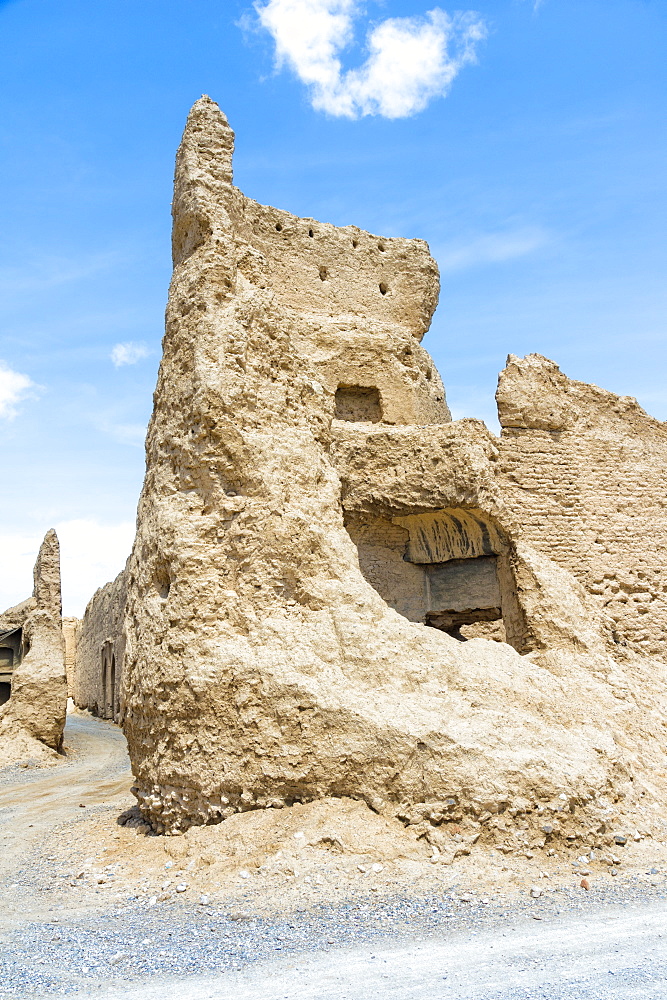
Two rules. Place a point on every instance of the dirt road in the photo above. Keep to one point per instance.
(618, 956)
(36, 804)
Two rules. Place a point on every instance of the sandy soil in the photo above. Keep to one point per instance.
(63, 849)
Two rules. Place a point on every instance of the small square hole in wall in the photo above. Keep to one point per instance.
(358, 403)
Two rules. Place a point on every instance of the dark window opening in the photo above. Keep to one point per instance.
(462, 592)
(5, 692)
(383, 288)
(358, 403)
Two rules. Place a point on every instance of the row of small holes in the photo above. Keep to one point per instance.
(355, 243)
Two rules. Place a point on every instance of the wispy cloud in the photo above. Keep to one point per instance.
(128, 353)
(14, 388)
(410, 60)
(490, 248)
(44, 272)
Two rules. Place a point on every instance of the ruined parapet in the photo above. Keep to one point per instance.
(261, 666)
(358, 305)
(37, 704)
(586, 471)
(100, 649)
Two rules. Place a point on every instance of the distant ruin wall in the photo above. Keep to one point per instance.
(585, 471)
(33, 711)
(100, 650)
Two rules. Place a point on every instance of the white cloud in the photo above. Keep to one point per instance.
(128, 353)
(491, 248)
(91, 555)
(14, 387)
(410, 59)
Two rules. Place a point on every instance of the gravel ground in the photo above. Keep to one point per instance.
(139, 944)
(110, 933)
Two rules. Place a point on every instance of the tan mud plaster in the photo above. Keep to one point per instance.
(261, 666)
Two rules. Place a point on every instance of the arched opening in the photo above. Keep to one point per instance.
(108, 681)
(448, 569)
(112, 688)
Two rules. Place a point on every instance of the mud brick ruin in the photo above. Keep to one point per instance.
(334, 589)
(33, 685)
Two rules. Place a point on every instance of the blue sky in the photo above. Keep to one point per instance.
(531, 157)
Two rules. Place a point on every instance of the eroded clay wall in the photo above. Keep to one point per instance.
(585, 472)
(100, 642)
(381, 546)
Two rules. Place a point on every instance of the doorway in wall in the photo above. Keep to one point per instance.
(108, 681)
(10, 657)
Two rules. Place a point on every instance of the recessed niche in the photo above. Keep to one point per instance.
(324, 274)
(358, 403)
(383, 288)
(278, 227)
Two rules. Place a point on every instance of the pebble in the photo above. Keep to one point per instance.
(585, 884)
(181, 887)
(535, 891)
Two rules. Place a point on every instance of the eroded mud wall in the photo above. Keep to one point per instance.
(585, 473)
(261, 667)
(100, 649)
